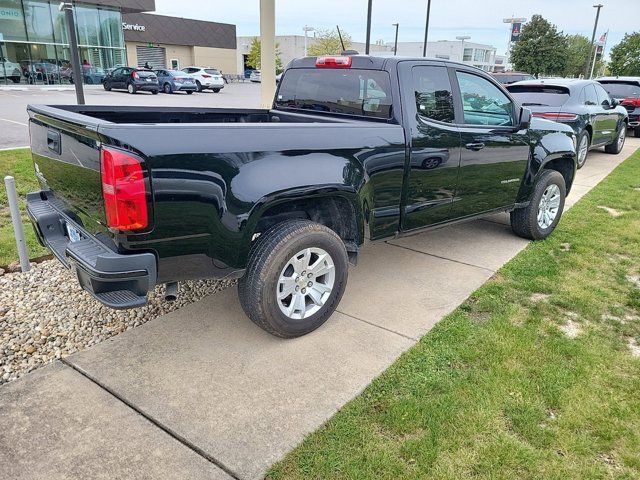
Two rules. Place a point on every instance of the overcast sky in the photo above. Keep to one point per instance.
(480, 19)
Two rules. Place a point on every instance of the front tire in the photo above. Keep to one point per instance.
(636, 132)
(106, 86)
(538, 220)
(617, 145)
(296, 276)
(167, 88)
(584, 142)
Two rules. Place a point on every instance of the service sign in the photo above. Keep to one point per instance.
(133, 26)
(515, 31)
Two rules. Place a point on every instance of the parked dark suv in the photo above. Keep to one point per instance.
(132, 79)
(584, 105)
(627, 91)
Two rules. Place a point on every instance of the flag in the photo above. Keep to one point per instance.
(603, 38)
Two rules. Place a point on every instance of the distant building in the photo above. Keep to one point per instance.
(477, 54)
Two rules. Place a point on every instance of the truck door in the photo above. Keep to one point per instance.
(433, 142)
(494, 154)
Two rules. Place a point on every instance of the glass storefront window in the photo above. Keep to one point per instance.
(88, 25)
(12, 20)
(37, 18)
(35, 47)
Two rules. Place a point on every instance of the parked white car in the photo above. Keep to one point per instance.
(206, 78)
(255, 76)
(10, 70)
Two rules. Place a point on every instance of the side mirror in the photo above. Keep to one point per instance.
(525, 118)
(614, 102)
(605, 104)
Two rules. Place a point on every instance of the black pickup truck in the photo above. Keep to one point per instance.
(355, 148)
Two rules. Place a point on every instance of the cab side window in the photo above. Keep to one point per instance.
(590, 96)
(434, 99)
(483, 103)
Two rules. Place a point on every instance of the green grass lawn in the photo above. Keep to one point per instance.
(18, 164)
(532, 377)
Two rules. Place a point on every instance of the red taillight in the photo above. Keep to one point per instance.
(333, 62)
(204, 75)
(555, 116)
(634, 102)
(123, 190)
(135, 75)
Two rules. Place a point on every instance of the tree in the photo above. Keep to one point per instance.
(625, 56)
(541, 48)
(327, 42)
(578, 49)
(253, 58)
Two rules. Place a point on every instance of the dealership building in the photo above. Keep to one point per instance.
(34, 45)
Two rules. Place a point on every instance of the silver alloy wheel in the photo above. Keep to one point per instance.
(621, 136)
(305, 283)
(130, 88)
(583, 149)
(549, 206)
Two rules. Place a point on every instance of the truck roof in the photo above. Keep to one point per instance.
(371, 62)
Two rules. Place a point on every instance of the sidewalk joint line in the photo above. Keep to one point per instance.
(379, 326)
(442, 258)
(176, 436)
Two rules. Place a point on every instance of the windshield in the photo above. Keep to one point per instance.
(544, 96)
(212, 71)
(346, 91)
(622, 89)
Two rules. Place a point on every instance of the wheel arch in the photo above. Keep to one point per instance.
(337, 210)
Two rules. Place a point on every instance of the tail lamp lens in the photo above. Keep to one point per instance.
(135, 75)
(123, 190)
(555, 116)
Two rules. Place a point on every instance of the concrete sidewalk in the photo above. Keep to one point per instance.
(203, 393)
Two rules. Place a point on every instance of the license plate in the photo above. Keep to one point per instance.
(73, 233)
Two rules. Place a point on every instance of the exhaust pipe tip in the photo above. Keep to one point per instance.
(171, 292)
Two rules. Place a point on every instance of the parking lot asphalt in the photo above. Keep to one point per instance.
(14, 131)
(205, 390)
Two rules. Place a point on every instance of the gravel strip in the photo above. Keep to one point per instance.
(45, 315)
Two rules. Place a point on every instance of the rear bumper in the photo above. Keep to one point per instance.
(143, 86)
(185, 88)
(118, 281)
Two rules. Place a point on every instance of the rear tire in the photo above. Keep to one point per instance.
(198, 86)
(636, 132)
(167, 88)
(531, 222)
(154, 92)
(106, 86)
(131, 88)
(617, 145)
(583, 142)
(272, 271)
(189, 92)
(216, 90)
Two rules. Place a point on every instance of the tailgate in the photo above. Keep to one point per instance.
(66, 156)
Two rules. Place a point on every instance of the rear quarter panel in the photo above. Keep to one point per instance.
(212, 182)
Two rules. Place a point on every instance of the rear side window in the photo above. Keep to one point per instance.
(434, 99)
(590, 96)
(539, 95)
(346, 91)
(212, 71)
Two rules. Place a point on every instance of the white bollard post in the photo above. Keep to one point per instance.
(12, 197)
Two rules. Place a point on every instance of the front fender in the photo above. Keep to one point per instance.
(548, 148)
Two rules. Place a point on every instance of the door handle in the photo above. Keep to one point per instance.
(474, 146)
(53, 141)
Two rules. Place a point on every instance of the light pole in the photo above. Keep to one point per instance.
(73, 50)
(368, 41)
(426, 29)
(395, 45)
(306, 29)
(587, 70)
(462, 38)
